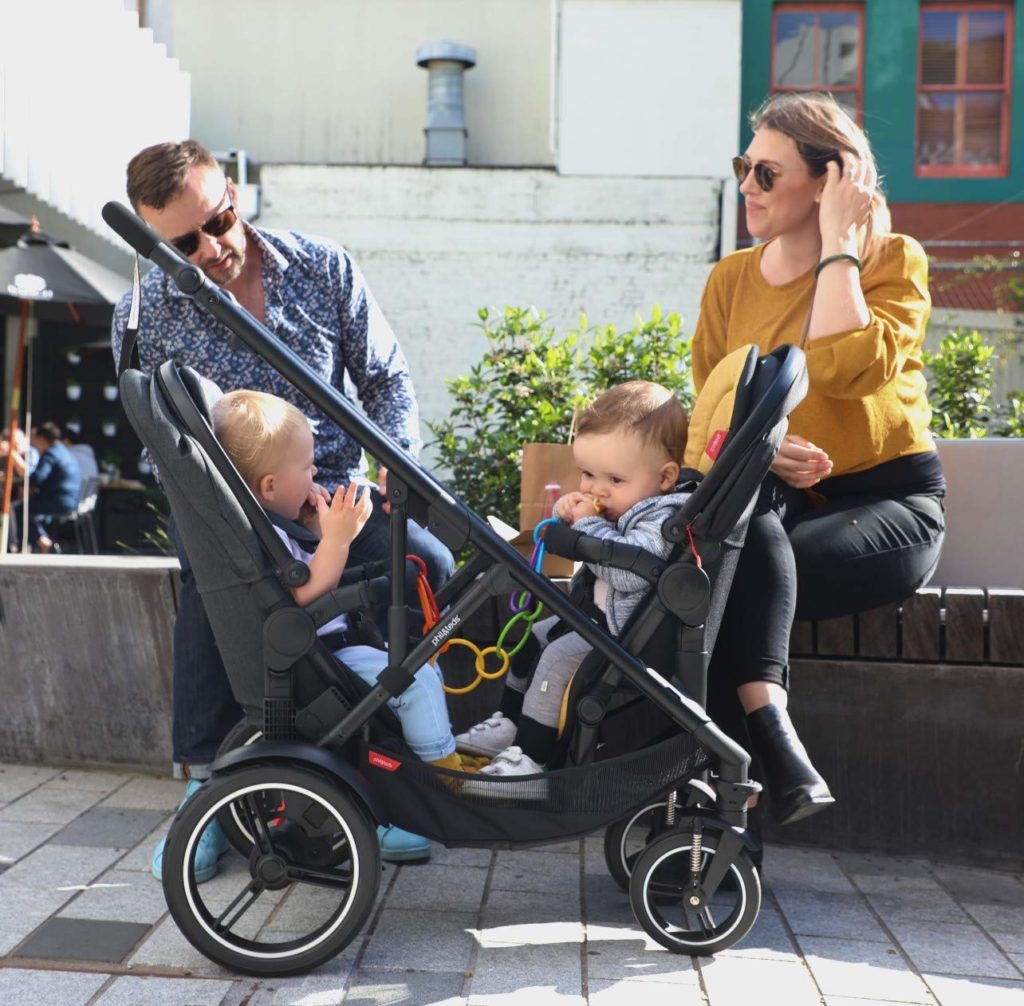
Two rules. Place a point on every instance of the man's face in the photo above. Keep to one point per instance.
(206, 194)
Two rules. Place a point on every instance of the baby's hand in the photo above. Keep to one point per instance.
(564, 506)
(309, 515)
(585, 506)
(344, 518)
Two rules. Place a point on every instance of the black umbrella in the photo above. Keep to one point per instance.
(12, 226)
(50, 280)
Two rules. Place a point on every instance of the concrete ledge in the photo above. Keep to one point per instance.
(923, 759)
(85, 647)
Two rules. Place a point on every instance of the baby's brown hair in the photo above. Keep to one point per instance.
(641, 407)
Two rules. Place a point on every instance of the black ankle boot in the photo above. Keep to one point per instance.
(795, 788)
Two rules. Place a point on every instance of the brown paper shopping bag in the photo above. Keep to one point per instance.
(544, 465)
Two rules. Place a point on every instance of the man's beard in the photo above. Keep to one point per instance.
(228, 271)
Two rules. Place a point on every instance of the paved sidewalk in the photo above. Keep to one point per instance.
(474, 928)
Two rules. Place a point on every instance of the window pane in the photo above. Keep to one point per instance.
(938, 47)
(986, 44)
(982, 128)
(794, 49)
(961, 129)
(935, 126)
(840, 47)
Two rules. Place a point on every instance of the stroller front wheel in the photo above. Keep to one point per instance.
(309, 882)
(659, 895)
(625, 840)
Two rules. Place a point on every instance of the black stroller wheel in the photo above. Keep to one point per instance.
(235, 830)
(658, 887)
(306, 888)
(625, 840)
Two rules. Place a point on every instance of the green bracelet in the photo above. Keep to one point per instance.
(836, 258)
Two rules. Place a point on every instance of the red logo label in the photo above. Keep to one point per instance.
(382, 761)
(715, 444)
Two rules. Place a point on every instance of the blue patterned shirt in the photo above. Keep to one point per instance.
(318, 304)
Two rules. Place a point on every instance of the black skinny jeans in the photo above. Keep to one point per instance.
(800, 561)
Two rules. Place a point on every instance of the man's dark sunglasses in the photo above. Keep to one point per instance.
(763, 175)
(220, 223)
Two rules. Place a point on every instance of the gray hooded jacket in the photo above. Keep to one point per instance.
(639, 525)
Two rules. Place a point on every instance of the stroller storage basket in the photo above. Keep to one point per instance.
(509, 812)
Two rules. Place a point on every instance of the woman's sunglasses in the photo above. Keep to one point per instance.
(763, 175)
(220, 223)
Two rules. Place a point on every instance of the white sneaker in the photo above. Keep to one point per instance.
(512, 761)
(488, 738)
(497, 780)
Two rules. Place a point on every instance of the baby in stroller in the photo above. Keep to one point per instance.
(271, 444)
(628, 448)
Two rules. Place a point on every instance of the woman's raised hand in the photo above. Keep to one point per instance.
(845, 203)
(800, 463)
(349, 511)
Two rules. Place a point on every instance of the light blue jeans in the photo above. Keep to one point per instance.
(421, 708)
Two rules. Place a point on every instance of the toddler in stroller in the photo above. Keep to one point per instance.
(301, 803)
(628, 447)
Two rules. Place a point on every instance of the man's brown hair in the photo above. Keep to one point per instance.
(640, 407)
(156, 175)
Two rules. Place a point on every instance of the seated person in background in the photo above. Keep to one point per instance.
(54, 484)
(271, 444)
(85, 456)
(628, 447)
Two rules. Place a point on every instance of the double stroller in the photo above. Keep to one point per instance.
(320, 760)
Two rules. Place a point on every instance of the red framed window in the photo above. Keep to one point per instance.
(963, 90)
(819, 47)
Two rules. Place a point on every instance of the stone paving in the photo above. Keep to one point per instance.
(474, 928)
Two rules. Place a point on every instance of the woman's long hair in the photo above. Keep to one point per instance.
(820, 128)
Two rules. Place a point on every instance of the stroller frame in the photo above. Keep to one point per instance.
(678, 866)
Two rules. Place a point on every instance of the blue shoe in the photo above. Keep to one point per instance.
(400, 846)
(212, 845)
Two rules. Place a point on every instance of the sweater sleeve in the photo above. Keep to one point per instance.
(709, 337)
(859, 362)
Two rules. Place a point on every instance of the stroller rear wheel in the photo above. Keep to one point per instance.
(660, 893)
(625, 840)
(307, 886)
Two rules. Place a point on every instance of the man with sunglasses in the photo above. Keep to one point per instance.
(312, 296)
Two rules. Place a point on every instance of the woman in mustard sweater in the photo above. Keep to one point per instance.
(851, 517)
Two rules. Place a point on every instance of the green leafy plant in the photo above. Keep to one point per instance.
(524, 388)
(961, 385)
(528, 385)
(1011, 416)
(653, 350)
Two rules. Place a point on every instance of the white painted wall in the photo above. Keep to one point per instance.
(336, 81)
(436, 244)
(648, 87)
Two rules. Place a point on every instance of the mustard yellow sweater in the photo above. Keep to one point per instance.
(867, 399)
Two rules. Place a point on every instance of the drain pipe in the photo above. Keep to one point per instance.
(446, 64)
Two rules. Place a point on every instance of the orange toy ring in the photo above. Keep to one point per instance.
(480, 663)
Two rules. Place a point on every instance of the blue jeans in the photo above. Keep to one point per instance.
(204, 706)
(421, 708)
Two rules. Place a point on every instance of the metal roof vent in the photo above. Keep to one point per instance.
(446, 64)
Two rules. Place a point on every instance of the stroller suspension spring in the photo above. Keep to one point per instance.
(695, 849)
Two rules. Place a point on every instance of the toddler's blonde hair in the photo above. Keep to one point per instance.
(256, 430)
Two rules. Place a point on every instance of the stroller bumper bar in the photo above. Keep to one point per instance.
(563, 540)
